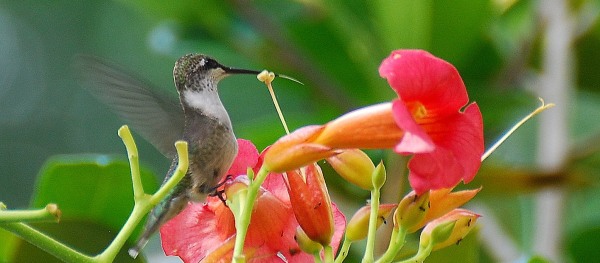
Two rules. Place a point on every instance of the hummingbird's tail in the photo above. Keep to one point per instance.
(141, 243)
(163, 212)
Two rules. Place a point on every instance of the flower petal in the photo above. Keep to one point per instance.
(416, 75)
(457, 156)
(415, 139)
(247, 157)
(180, 235)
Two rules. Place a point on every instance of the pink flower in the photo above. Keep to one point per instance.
(206, 232)
(441, 130)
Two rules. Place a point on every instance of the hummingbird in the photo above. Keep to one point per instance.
(197, 117)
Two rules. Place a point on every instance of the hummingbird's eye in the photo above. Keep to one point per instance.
(211, 64)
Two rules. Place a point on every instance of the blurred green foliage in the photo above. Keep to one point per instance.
(334, 47)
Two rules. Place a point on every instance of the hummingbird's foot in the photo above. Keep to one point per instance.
(219, 193)
(229, 177)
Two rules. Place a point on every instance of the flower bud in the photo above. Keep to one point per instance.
(311, 203)
(355, 166)
(437, 233)
(358, 226)
(463, 221)
(443, 201)
(411, 210)
(379, 176)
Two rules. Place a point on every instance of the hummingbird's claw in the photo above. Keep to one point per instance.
(219, 193)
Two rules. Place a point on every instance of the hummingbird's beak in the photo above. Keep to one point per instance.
(229, 70)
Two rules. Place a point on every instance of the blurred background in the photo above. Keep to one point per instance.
(540, 190)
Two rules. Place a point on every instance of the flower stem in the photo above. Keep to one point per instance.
(132, 155)
(143, 204)
(246, 212)
(343, 251)
(49, 213)
(328, 253)
(139, 210)
(180, 171)
(317, 258)
(368, 257)
(396, 243)
(421, 255)
(46, 243)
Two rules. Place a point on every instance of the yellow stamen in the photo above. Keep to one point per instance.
(268, 77)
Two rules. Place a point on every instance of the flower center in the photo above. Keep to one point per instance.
(417, 110)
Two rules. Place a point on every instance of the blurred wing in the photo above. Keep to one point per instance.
(157, 117)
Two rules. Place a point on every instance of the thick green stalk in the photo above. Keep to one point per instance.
(143, 204)
(46, 243)
(48, 213)
(421, 255)
(396, 243)
(328, 251)
(368, 257)
(246, 213)
(343, 251)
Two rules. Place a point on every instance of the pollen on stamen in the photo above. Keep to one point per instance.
(418, 110)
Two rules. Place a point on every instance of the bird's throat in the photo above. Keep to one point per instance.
(206, 102)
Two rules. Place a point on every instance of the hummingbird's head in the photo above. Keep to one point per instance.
(198, 72)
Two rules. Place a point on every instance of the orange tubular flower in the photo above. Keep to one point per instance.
(431, 119)
(371, 127)
(311, 203)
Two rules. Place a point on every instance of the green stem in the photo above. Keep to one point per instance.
(373, 217)
(143, 204)
(317, 258)
(396, 243)
(110, 253)
(180, 171)
(132, 155)
(49, 213)
(328, 253)
(46, 243)
(421, 255)
(343, 251)
(246, 212)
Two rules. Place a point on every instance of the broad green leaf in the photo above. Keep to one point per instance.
(94, 188)
(95, 196)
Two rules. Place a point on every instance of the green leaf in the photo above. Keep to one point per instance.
(538, 259)
(96, 188)
(95, 196)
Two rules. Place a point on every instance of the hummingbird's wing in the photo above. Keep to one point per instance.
(157, 117)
